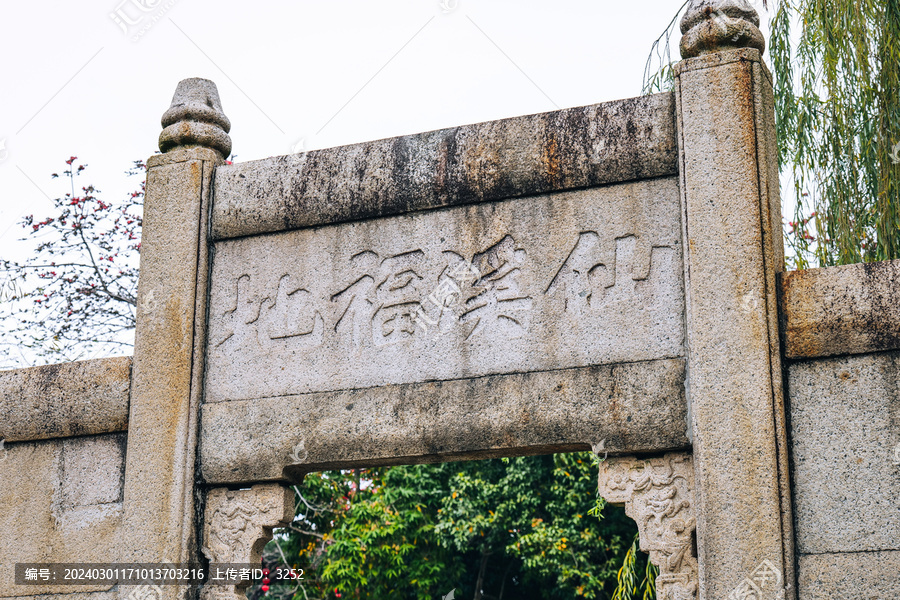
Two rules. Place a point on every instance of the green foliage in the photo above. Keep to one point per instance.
(836, 67)
(516, 529)
(837, 87)
(534, 513)
(658, 73)
(627, 586)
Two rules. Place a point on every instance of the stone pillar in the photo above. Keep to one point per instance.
(160, 522)
(731, 214)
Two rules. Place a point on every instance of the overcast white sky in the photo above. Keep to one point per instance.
(329, 73)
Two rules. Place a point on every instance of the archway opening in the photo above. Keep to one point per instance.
(528, 527)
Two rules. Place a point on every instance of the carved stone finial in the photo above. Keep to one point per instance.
(196, 118)
(658, 493)
(710, 26)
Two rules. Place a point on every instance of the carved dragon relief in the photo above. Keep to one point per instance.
(658, 493)
(237, 525)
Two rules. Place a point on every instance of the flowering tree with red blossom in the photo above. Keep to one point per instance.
(75, 297)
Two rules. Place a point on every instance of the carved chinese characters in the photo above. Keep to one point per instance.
(569, 280)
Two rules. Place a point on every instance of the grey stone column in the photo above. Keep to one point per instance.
(165, 390)
(733, 250)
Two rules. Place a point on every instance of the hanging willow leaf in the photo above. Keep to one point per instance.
(836, 66)
(837, 71)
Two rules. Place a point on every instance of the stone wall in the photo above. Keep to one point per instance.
(842, 331)
(62, 468)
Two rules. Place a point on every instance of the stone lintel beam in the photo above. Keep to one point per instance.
(631, 407)
(86, 397)
(852, 309)
(588, 146)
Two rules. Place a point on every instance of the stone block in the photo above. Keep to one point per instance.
(845, 440)
(849, 576)
(549, 282)
(851, 309)
(587, 146)
(78, 398)
(60, 501)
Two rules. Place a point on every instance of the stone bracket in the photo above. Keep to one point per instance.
(658, 493)
(237, 525)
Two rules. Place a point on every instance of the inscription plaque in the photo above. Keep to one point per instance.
(547, 282)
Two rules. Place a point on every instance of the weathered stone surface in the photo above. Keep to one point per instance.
(60, 501)
(93, 470)
(658, 493)
(635, 407)
(78, 398)
(845, 439)
(851, 576)
(237, 525)
(195, 119)
(578, 147)
(852, 309)
(732, 254)
(167, 367)
(565, 280)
